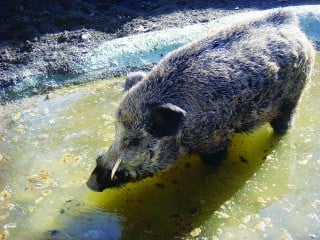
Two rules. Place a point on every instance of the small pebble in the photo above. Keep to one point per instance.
(195, 232)
(2, 159)
(4, 195)
(85, 36)
(4, 234)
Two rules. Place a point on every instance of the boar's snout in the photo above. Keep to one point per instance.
(108, 175)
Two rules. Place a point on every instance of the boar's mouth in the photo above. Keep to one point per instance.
(102, 178)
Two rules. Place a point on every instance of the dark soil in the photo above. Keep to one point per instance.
(50, 36)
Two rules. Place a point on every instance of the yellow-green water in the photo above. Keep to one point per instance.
(267, 188)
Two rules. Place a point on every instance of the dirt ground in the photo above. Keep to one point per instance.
(50, 36)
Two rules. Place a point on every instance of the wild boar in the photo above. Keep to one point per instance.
(233, 80)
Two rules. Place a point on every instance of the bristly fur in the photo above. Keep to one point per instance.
(235, 79)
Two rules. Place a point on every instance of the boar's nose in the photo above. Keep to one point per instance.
(92, 183)
(102, 178)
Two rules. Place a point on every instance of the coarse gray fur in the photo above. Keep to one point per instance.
(197, 97)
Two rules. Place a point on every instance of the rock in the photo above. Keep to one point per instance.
(195, 232)
(85, 36)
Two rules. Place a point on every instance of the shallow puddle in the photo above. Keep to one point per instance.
(268, 187)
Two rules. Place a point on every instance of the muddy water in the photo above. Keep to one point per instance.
(268, 187)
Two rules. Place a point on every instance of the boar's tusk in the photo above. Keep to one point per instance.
(115, 168)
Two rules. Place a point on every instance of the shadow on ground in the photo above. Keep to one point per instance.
(173, 203)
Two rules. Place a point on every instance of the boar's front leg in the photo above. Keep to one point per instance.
(209, 137)
(281, 122)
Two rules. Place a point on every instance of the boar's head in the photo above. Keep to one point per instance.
(147, 140)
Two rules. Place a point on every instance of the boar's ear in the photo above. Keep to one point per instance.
(166, 119)
(133, 78)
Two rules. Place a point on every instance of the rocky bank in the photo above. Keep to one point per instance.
(50, 37)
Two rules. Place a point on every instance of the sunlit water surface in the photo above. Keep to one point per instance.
(268, 187)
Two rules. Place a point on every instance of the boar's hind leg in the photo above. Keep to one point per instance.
(214, 157)
(281, 122)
